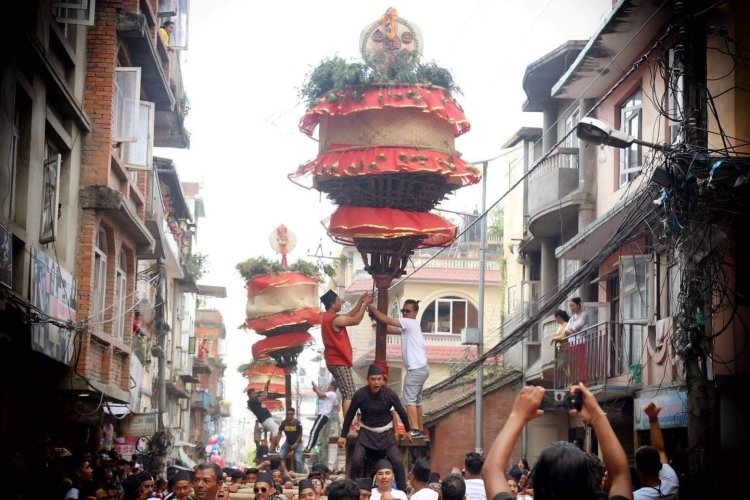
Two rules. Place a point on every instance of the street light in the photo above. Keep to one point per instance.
(596, 131)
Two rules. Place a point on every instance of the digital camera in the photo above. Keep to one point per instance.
(560, 401)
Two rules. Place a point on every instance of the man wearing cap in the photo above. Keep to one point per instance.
(414, 356)
(263, 487)
(337, 346)
(419, 477)
(261, 413)
(365, 487)
(182, 486)
(307, 490)
(383, 489)
(325, 406)
(375, 401)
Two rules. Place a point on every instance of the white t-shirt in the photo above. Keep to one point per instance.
(669, 485)
(326, 405)
(475, 489)
(396, 494)
(426, 494)
(412, 344)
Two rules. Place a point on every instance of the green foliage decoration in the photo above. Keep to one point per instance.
(257, 266)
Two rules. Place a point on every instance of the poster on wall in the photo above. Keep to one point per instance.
(6, 257)
(53, 291)
(672, 415)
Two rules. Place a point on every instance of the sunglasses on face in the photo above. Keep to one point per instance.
(317, 482)
(405, 311)
(260, 490)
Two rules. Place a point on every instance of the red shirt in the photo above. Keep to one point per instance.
(338, 348)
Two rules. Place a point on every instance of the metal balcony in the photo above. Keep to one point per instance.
(602, 352)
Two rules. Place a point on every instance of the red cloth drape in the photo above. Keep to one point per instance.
(307, 315)
(349, 222)
(264, 347)
(353, 100)
(259, 284)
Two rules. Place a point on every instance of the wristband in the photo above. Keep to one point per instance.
(602, 414)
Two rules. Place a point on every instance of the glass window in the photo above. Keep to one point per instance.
(631, 158)
(634, 304)
(127, 104)
(100, 278)
(138, 154)
(121, 284)
(571, 141)
(74, 11)
(449, 315)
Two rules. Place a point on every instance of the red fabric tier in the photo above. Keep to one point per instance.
(274, 390)
(308, 316)
(264, 347)
(350, 222)
(259, 284)
(342, 161)
(353, 100)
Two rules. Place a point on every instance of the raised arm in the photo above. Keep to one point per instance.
(612, 452)
(525, 408)
(354, 317)
(384, 318)
(318, 392)
(657, 438)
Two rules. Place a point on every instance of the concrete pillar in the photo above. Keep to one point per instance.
(549, 115)
(548, 265)
(587, 166)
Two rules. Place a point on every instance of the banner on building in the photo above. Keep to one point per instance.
(672, 415)
(142, 424)
(53, 291)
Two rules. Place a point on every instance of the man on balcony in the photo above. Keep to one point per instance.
(415, 359)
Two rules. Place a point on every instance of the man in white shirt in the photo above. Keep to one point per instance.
(419, 477)
(473, 476)
(414, 358)
(658, 478)
(325, 406)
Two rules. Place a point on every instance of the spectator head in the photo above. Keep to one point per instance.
(252, 475)
(318, 482)
(207, 480)
(365, 488)
(307, 491)
(274, 462)
(512, 484)
(290, 413)
(647, 461)
(562, 471)
(321, 469)
(575, 305)
(598, 469)
(421, 470)
(131, 487)
(473, 464)
(345, 489)
(263, 486)
(277, 476)
(383, 474)
(453, 487)
(515, 473)
(562, 316)
(181, 485)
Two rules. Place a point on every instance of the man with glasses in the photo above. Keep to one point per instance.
(415, 360)
(263, 487)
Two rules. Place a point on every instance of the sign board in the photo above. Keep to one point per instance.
(125, 446)
(672, 415)
(53, 291)
(142, 424)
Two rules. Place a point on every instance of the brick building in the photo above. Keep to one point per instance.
(450, 417)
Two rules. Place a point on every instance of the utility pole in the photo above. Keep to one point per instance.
(691, 50)
(478, 435)
(161, 343)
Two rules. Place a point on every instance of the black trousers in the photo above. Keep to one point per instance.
(320, 422)
(384, 442)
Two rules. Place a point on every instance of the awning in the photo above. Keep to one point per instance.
(590, 241)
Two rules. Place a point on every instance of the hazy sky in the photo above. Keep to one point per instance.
(245, 63)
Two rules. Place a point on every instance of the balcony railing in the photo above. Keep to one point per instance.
(601, 352)
(490, 265)
(561, 159)
(432, 339)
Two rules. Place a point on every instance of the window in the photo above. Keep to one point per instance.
(121, 293)
(178, 11)
(634, 304)
(571, 141)
(138, 154)
(631, 158)
(127, 104)
(50, 196)
(100, 278)
(449, 315)
(74, 11)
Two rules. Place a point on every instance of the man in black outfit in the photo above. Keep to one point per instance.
(375, 401)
